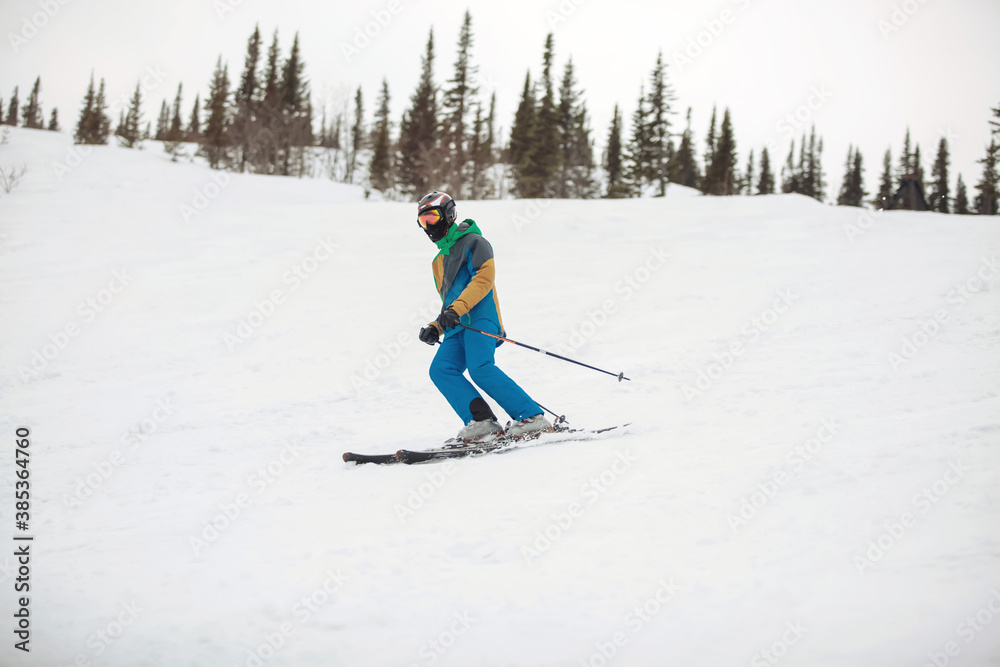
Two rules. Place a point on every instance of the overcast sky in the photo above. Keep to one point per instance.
(869, 68)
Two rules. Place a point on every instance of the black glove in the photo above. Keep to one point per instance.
(429, 335)
(448, 318)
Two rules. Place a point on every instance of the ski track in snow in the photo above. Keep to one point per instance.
(632, 544)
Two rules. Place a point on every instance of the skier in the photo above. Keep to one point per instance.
(463, 274)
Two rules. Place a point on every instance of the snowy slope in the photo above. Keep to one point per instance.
(190, 505)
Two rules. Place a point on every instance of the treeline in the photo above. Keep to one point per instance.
(937, 190)
(447, 138)
(31, 115)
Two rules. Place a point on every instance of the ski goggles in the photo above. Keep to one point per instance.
(428, 218)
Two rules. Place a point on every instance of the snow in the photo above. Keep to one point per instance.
(756, 332)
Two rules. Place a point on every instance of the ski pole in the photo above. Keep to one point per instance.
(620, 376)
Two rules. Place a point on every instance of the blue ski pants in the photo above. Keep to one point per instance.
(473, 351)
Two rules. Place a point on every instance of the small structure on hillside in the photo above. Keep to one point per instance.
(909, 196)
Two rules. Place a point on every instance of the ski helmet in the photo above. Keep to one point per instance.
(436, 213)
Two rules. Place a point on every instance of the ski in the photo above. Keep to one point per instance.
(461, 450)
(351, 457)
(502, 444)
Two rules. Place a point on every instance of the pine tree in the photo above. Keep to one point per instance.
(83, 125)
(522, 140)
(120, 128)
(917, 167)
(710, 145)
(986, 202)
(613, 165)
(476, 154)
(859, 193)
(54, 121)
(816, 173)
(215, 145)
(244, 130)
(661, 147)
(336, 131)
(547, 157)
(163, 122)
(194, 125)
(638, 154)
(806, 181)
(266, 149)
(176, 131)
(885, 190)
(961, 198)
(380, 168)
(938, 199)
(131, 134)
(790, 178)
(905, 160)
(296, 113)
(765, 186)
(101, 124)
(482, 150)
(1, 110)
(33, 117)
(747, 186)
(357, 135)
(684, 167)
(455, 105)
(418, 140)
(12, 109)
(851, 193)
(995, 124)
(720, 175)
(576, 177)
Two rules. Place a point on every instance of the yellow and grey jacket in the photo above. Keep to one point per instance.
(463, 275)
